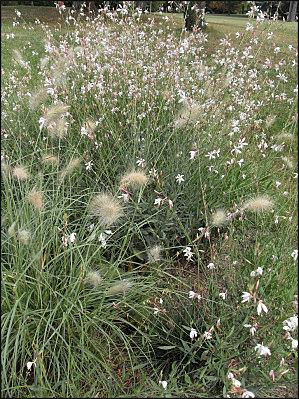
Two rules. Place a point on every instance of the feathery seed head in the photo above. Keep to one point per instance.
(189, 114)
(154, 254)
(20, 173)
(288, 162)
(105, 207)
(119, 288)
(36, 199)
(17, 57)
(50, 160)
(44, 61)
(58, 128)
(3, 221)
(258, 204)
(70, 167)
(37, 98)
(218, 218)
(5, 169)
(288, 137)
(270, 120)
(88, 129)
(12, 230)
(55, 112)
(93, 278)
(24, 236)
(134, 180)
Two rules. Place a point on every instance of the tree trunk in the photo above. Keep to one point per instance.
(228, 7)
(292, 11)
(194, 17)
(91, 6)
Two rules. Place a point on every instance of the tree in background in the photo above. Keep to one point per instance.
(194, 15)
(292, 11)
(226, 7)
(284, 9)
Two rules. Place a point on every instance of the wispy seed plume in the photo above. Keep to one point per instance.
(218, 218)
(258, 204)
(20, 173)
(69, 169)
(35, 198)
(37, 98)
(119, 288)
(24, 236)
(134, 180)
(154, 254)
(93, 278)
(106, 208)
(53, 113)
(50, 160)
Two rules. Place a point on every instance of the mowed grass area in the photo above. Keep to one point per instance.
(133, 222)
(218, 26)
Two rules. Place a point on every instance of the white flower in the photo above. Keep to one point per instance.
(246, 296)
(158, 201)
(257, 272)
(222, 295)
(294, 343)
(211, 266)
(72, 237)
(41, 122)
(193, 295)
(30, 364)
(193, 333)
(188, 253)
(236, 383)
(207, 335)
(90, 227)
(88, 165)
(294, 254)
(248, 394)
(141, 162)
(125, 197)
(261, 307)
(230, 376)
(153, 172)
(179, 178)
(103, 237)
(262, 350)
(272, 375)
(252, 330)
(193, 154)
(290, 324)
(163, 383)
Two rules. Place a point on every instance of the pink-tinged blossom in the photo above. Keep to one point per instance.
(246, 297)
(262, 350)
